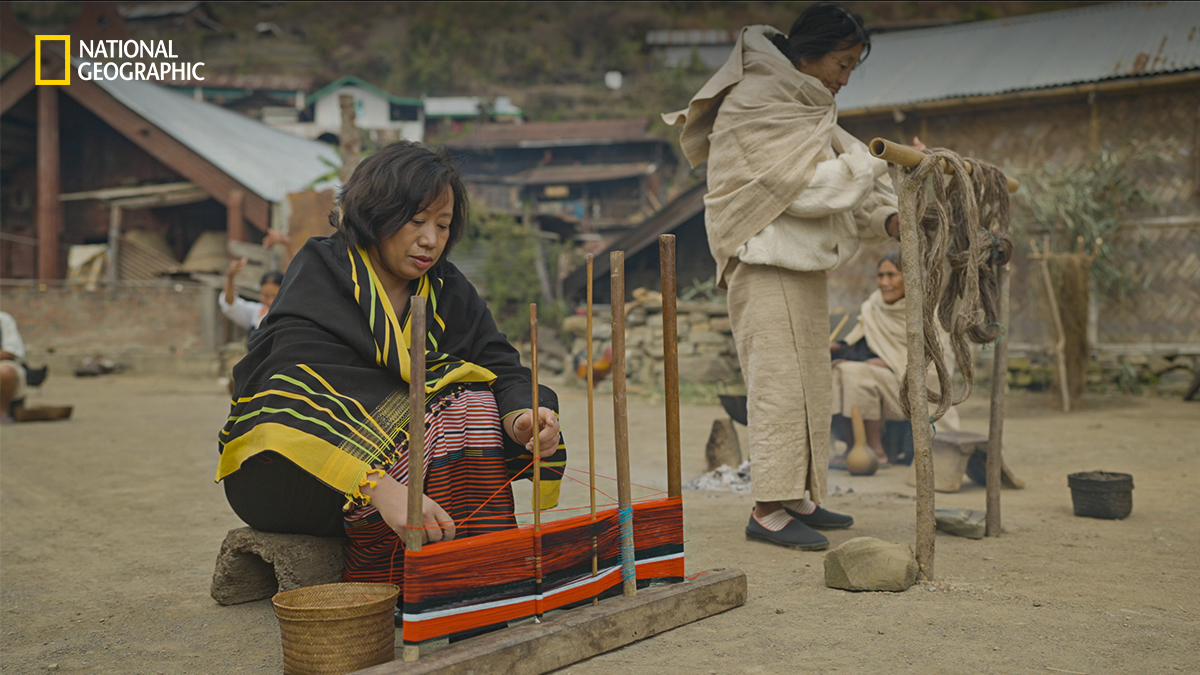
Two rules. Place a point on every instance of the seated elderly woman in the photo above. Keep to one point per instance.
(316, 441)
(869, 365)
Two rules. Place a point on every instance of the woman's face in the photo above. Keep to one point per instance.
(268, 292)
(890, 281)
(834, 68)
(409, 253)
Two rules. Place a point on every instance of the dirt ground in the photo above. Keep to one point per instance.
(110, 524)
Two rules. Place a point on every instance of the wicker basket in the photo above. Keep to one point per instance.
(336, 628)
(1101, 494)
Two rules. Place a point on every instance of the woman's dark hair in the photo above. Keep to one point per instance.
(894, 258)
(822, 28)
(275, 277)
(390, 187)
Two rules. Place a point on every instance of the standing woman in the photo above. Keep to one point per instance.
(791, 196)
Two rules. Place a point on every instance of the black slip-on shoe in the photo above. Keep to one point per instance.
(823, 519)
(794, 535)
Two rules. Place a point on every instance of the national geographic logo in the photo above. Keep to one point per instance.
(115, 60)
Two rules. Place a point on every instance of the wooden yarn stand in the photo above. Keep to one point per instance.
(909, 158)
(570, 636)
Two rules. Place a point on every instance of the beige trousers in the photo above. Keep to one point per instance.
(780, 322)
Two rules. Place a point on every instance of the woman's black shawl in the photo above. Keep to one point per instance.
(325, 380)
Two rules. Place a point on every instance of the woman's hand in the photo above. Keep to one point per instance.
(390, 498)
(520, 429)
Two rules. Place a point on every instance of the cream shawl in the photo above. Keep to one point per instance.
(884, 327)
(775, 125)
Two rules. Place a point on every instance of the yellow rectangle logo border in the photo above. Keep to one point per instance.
(37, 58)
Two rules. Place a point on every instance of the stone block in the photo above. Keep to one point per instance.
(869, 564)
(969, 523)
(255, 565)
(655, 322)
(636, 317)
(698, 318)
(720, 324)
(575, 325)
(707, 337)
(723, 447)
(708, 369)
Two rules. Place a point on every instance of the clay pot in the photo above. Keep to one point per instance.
(860, 461)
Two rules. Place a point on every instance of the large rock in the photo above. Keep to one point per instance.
(254, 565)
(969, 523)
(870, 564)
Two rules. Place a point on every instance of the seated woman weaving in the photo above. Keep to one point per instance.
(868, 366)
(316, 442)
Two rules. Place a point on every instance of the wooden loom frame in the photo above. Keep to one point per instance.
(908, 158)
(585, 631)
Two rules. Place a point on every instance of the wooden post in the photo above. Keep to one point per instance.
(416, 440)
(1060, 334)
(49, 183)
(235, 224)
(591, 374)
(114, 244)
(348, 143)
(537, 464)
(914, 286)
(666, 254)
(996, 426)
(621, 422)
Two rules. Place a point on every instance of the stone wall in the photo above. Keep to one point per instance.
(707, 353)
(164, 327)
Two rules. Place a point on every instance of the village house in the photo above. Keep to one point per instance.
(588, 179)
(450, 115)
(385, 117)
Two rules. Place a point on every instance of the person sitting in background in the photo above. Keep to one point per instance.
(247, 313)
(12, 366)
(869, 365)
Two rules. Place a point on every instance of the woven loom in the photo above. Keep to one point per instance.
(489, 580)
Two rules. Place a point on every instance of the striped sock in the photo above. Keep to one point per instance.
(775, 521)
(802, 506)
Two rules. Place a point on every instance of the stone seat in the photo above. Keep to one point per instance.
(254, 565)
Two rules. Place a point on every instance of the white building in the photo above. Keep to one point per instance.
(385, 116)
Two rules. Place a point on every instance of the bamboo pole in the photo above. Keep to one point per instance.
(537, 463)
(840, 326)
(666, 254)
(621, 422)
(914, 286)
(591, 412)
(909, 157)
(416, 441)
(995, 460)
(1060, 335)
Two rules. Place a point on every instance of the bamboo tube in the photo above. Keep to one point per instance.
(903, 155)
(917, 402)
(995, 460)
(666, 254)
(537, 462)
(621, 423)
(416, 440)
(591, 412)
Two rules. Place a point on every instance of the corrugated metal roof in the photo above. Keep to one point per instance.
(1090, 44)
(452, 106)
(571, 174)
(267, 161)
(549, 134)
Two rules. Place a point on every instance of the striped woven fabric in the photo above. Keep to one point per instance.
(491, 579)
(464, 473)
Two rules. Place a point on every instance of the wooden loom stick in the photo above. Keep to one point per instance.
(416, 439)
(909, 157)
(995, 461)
(591, 374)
(621, 422)
(914, 286)
(666, 254)
(537, 464)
